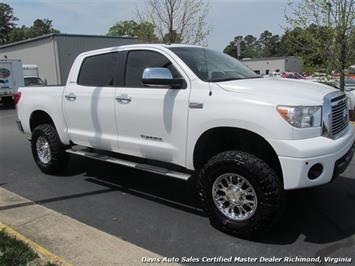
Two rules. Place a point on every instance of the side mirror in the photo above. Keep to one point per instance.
(160, 76)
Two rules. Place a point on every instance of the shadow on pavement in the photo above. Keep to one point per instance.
(49, 200)
(319, 215)
(164, 190)
(2, 107)
(322, 214)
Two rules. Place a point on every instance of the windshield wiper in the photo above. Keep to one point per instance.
(229, 79)
(256, 77)
(226, 79)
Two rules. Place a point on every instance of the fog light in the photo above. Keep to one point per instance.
(315, 171)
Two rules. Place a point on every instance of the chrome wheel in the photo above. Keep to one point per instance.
(234, 196)
(43, 150)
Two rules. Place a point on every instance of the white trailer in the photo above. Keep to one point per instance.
(31, 75)
(30, 70)
(11, 78)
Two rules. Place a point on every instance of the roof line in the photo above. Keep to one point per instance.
(63, 35)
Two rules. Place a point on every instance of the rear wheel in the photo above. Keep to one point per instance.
(241, 194)
(47, 149)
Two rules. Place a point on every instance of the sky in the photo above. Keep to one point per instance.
(227, 18)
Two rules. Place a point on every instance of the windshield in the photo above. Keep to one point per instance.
(213, 66)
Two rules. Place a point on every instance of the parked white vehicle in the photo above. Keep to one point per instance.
(319, 77)
(11, 78)
(350, 93)
(31, 75)
(349, 90)
(30, 70)
(183, 111)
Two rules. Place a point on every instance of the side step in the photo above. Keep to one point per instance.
(140, 166)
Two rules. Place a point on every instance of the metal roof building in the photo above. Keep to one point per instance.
(55, 53)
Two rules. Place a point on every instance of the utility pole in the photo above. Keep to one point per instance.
(237, 48)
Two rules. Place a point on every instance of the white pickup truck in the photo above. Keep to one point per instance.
(185, 111)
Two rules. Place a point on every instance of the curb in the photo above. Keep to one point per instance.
(37, 248)
(70, 239)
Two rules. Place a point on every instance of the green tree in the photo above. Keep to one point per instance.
(266, 46)
(248, 47)
(231, 48)
(174, 37)
(38, 28)
(18, 34)
(123, 28)
(7, 22)
(338, 17)
(41, 27)
(143, 31)
(310, 44)
(269, 43)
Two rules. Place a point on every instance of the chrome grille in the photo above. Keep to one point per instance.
(340, 115)
(335, 114)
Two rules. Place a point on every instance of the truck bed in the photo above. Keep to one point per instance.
(46, 99)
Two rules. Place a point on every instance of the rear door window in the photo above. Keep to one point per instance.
(98, 70)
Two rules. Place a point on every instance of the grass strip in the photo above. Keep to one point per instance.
(14, 252)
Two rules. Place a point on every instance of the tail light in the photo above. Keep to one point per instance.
(17, 97)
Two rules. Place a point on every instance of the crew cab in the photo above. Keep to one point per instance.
(190, 112)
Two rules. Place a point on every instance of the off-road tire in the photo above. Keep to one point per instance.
(59, 158)
(267, 185)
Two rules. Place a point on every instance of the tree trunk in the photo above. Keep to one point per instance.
(342, 79)
(343, 59)
(343, 66)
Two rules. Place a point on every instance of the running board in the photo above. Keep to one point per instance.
(140, 166)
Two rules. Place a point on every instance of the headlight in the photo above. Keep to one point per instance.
(301, 116)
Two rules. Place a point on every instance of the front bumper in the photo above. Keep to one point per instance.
(298, 156)
(343, 163)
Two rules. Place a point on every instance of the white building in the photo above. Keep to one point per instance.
(268, 65)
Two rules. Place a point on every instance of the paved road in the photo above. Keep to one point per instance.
(163, 215)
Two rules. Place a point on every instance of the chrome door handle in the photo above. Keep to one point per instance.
(124, 98)
(70, 97)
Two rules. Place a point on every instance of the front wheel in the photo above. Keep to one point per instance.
(242, 195)
(47, 150)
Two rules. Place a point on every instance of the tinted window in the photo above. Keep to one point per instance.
(137, 61)
(98, 70)
(33, 81)
(213, 66)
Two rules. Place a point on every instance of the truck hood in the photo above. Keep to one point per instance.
(280, 90)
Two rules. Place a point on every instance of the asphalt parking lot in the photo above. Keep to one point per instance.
(163, 215)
